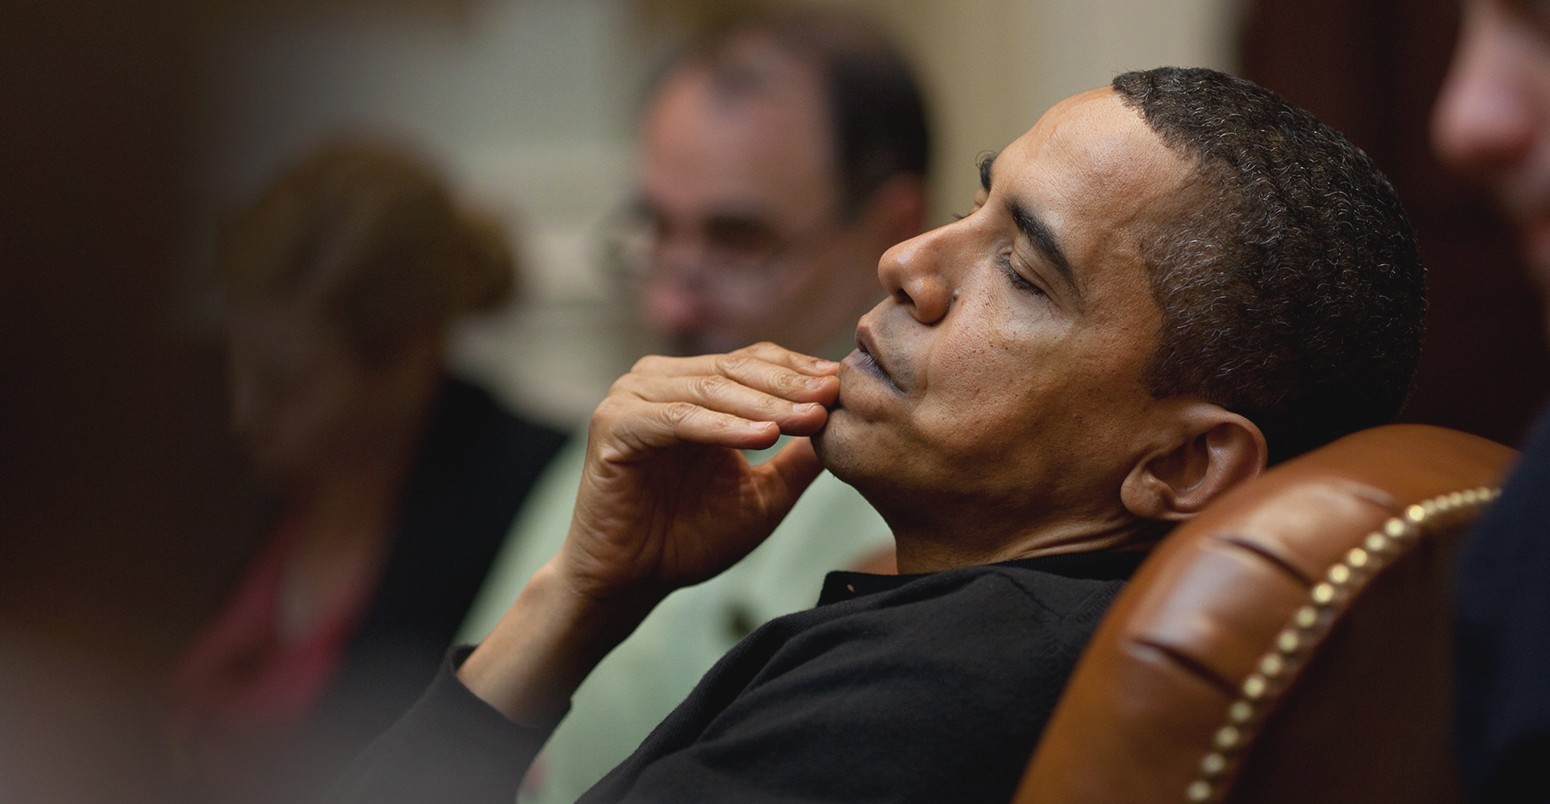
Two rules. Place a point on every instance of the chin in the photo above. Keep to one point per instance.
(836, 448)
(821, 442)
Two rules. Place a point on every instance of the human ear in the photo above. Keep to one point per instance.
(1212, 450)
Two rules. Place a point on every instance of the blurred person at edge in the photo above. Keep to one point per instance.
(394, 482)
(781, 153)
(1492, 121)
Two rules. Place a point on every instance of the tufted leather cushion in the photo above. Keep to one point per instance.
(1238, 665)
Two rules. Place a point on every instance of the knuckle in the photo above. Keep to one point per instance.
(680, 412)
(789, 381)
(647, 364)
(711, 386)
(733, 363)
(606, 412)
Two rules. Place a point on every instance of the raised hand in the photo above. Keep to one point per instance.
(666, 500)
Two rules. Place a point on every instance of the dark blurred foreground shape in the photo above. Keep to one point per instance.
(127, 509)
(122, 496)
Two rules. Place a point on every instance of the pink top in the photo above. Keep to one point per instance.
(240, 691)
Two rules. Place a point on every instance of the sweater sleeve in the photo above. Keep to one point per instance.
(449, 745)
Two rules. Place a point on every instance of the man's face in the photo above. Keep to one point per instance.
(1000, 389)
(744, 239)
(1492, 118)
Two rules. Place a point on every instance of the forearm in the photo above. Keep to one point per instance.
(545, 645)
(449, 746)
(474, 732)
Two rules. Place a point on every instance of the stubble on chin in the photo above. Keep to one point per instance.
(840, 454)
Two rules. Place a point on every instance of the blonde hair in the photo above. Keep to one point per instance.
(369, 237)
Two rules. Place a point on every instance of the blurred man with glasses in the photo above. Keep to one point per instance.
(780, 155)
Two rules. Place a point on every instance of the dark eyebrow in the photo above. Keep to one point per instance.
(1034, 228)
(1044, 240)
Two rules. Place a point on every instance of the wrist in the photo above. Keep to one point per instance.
(544, 647)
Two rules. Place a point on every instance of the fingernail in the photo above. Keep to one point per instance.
(805, 407)
(815, 382)
(824, 365)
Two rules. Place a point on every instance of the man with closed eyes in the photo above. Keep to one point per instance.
(1164, 285)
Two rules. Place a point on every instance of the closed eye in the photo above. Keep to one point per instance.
(1020, 282)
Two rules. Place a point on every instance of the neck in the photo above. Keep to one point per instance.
(344, 525)
(930, 550)
(341, 535)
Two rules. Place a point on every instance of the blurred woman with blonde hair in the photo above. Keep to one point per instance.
(394, 481)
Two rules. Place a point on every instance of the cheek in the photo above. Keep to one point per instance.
(327, 415)
(997, 360)
(982, 393)
(989, 396)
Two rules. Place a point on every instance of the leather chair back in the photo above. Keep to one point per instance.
(1289, 644)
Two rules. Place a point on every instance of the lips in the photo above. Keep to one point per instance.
(867, 360)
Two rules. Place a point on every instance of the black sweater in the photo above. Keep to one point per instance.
(1503, 614)
(895, 688)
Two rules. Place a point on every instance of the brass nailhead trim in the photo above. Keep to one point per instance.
(1241, 712)
(1327, 599)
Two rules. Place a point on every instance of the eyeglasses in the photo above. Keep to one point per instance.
(734, 257)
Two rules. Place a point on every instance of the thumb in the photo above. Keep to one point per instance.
(789, 473)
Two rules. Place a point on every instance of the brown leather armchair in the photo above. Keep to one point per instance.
(1290, 644)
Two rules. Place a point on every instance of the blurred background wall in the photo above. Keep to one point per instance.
(530, 104)
(130, 130)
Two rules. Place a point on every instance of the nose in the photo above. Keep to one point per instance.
(915, 273)
(1485, 120)
(673, 306)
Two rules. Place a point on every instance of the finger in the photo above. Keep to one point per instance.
(789, 472)
(781, 373)
(660, 379)
(764, 351)
(719, 393)
(626, 430)
(807, 364)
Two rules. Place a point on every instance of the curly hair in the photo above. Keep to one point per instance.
(1291, 287)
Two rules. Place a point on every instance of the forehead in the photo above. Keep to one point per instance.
(763, 149)
(1102, 183)
(1098, 178)
(1091, 154)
